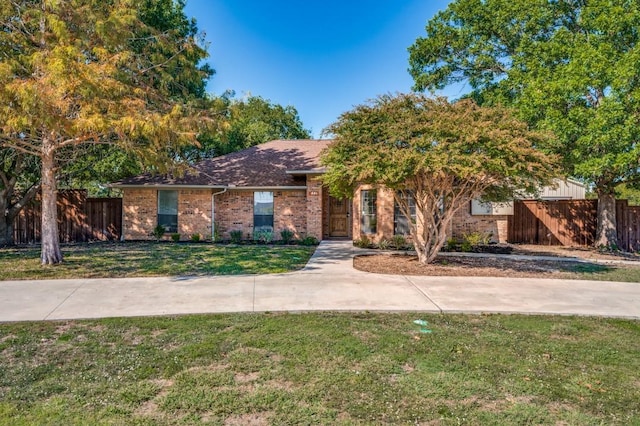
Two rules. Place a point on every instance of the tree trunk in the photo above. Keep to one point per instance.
(429, 244)
(6, 230)
(607, 232)
(50, 254)
(6, 222)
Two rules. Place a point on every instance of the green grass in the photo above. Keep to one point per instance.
(148, 259)
(321, 369)
(603, 272)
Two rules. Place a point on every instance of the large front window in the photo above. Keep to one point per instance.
(168, 210)
(263, 211)
(368, 199)
(401, 225)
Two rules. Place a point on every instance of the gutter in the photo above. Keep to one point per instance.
(239, 188)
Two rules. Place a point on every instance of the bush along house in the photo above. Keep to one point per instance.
(277, 186)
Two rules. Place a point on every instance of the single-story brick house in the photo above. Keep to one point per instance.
(276, 186)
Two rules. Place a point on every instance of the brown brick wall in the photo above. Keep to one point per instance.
(139, 213)
(289, 212)
(464, 223)
(194, 213)
(298, 210)
(234, 211)
(140, 210)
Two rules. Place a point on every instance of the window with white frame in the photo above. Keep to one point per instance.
(263, 211)
(168, 210)
(368, 201)
(401, 225)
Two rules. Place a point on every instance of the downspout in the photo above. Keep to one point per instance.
(213, 212)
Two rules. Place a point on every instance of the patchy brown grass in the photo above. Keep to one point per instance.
(496, 267)
(322, 368)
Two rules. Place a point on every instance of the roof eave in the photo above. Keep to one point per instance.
(231, 187)
(306, 172)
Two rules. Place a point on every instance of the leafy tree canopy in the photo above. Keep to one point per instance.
(95, 72)
(572, 67)
(441, 154)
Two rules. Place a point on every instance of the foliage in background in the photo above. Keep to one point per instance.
(440, 154)
(625, 192)
(19, 184)
(246, 122)
(567, 66)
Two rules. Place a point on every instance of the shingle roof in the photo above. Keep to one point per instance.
(264, 165)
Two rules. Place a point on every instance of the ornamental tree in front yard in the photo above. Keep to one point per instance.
(441, 154)
(81, 72)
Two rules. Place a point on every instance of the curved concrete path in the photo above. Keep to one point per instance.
(328, 282)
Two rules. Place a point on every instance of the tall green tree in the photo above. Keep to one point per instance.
(441, 155)
(84, 72)
(569, 66)
(256, 120)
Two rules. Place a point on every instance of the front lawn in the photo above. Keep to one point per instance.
(324, 368)
(106, 260)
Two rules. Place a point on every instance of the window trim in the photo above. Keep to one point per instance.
(369, 211)
(397, 213)
(268, 228)
(173, 226)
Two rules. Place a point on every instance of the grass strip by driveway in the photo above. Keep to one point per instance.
(321, 369)
(110, 260)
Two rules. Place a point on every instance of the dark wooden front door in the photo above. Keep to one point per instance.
(338, 217)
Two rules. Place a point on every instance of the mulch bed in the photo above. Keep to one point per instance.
(463, 266)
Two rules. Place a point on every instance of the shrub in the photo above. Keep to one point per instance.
(362, 242)
(236, 236)
(309, 240)
(175, 237)
(263, 236)
(477, 238)
(466, 246)
(384, 244)
(286, 235)
(451, 244)
(158, 232)
(195, 237)
(399, 242)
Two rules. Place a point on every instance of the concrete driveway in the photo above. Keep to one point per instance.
(328, 282)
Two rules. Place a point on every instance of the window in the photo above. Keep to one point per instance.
(400, 222)
(168, 210)
(368, 199)
(263, 211)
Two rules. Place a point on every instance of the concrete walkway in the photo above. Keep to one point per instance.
(328, 282)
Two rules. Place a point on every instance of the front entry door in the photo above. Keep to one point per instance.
(338, 217)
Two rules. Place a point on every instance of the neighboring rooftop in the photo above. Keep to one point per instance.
(272, 164)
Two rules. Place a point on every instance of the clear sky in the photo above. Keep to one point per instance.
(322, 57)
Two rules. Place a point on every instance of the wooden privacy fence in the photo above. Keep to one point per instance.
(79, 219)
(570, 223)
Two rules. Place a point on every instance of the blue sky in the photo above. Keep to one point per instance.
(322, 57)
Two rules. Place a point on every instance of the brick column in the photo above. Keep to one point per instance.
(314, 207)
